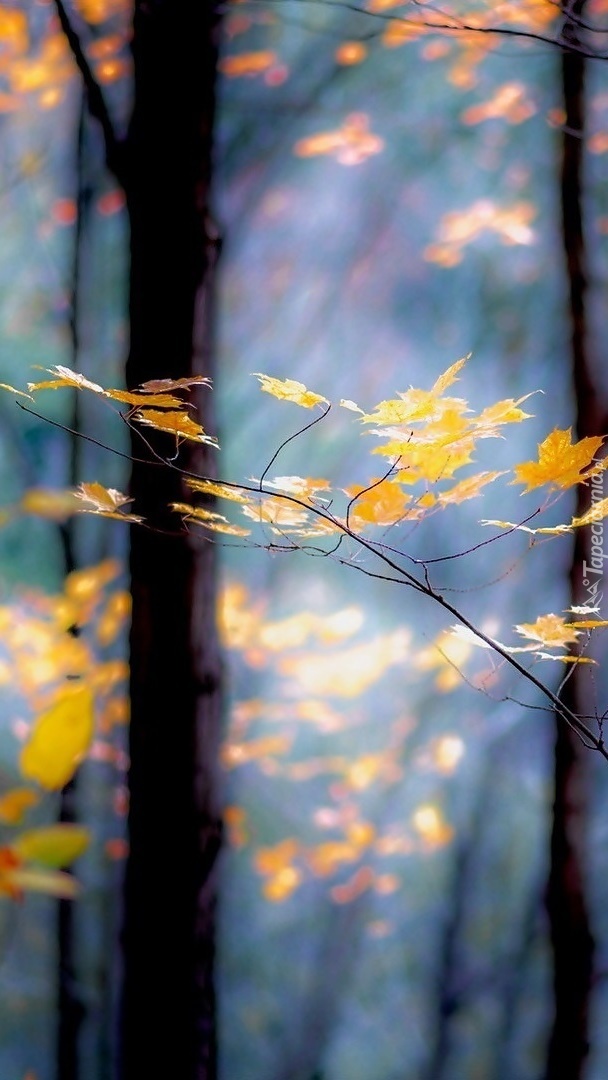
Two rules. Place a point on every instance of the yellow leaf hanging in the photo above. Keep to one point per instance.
(290, 390)
(59, 739)
(174, 422)
(561, 462)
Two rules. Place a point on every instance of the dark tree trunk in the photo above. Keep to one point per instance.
(571, 936)
(168, 1025)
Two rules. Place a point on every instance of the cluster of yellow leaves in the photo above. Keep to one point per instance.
(546, 636)
(51, 658)
(318, 665)
(427, 436)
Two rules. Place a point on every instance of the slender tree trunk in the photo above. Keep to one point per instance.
(571, 936)
(169, 1005)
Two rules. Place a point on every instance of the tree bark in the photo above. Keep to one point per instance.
(168, 1017)
(571, 936)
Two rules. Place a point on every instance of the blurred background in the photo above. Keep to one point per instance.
(389, 188)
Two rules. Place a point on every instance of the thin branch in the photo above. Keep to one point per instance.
(114, 147)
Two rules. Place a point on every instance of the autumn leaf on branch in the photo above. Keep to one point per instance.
(290, 390)
(561, 463)
(105, 501)
(174, 422)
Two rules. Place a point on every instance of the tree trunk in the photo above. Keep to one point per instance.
(571, 936)
(168, 1021)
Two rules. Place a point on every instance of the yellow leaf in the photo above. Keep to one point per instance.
(449, 376)
(209, 519)
(59, 739)
(141, 398)
(551, 630)
(503, 412)
(589, 624)
(290, 390)
(12, 390)
(384, 504)
(54, 846)
(561, 462)
(106, 502)
(154, 386)
(596, 512)
(175, 423)
(220, 490)
(64, 376)
(15, 803)
(469, 488)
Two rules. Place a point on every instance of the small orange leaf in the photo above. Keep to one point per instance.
(15, 803)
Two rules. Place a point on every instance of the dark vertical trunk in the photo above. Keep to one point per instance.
(169, 1007)
(572, 940)
(71, 1009)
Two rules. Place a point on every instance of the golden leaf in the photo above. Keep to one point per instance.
(384, 504)
(64, 376)
(208, 519)
(561, 462)
(449, 376)
(290, 390)
(596, 512)
(12, 390)
(148, 400)
(59, 738)
(154, 386)
(469, 488)
(106, 502)
(176, 423)
(551, 630)
(220, 490)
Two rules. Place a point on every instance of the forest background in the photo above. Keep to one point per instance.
(409, 866)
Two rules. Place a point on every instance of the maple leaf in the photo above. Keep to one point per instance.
(561, 462)
(469, 488)
(64, 376)
(105, 501)
(502, 412)
(209, 519)
(551, 630)
(147, 400)
(596, 512)
(153, 386)
(290, 390)
(220, 490)
(383, 504)
(175, 422)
